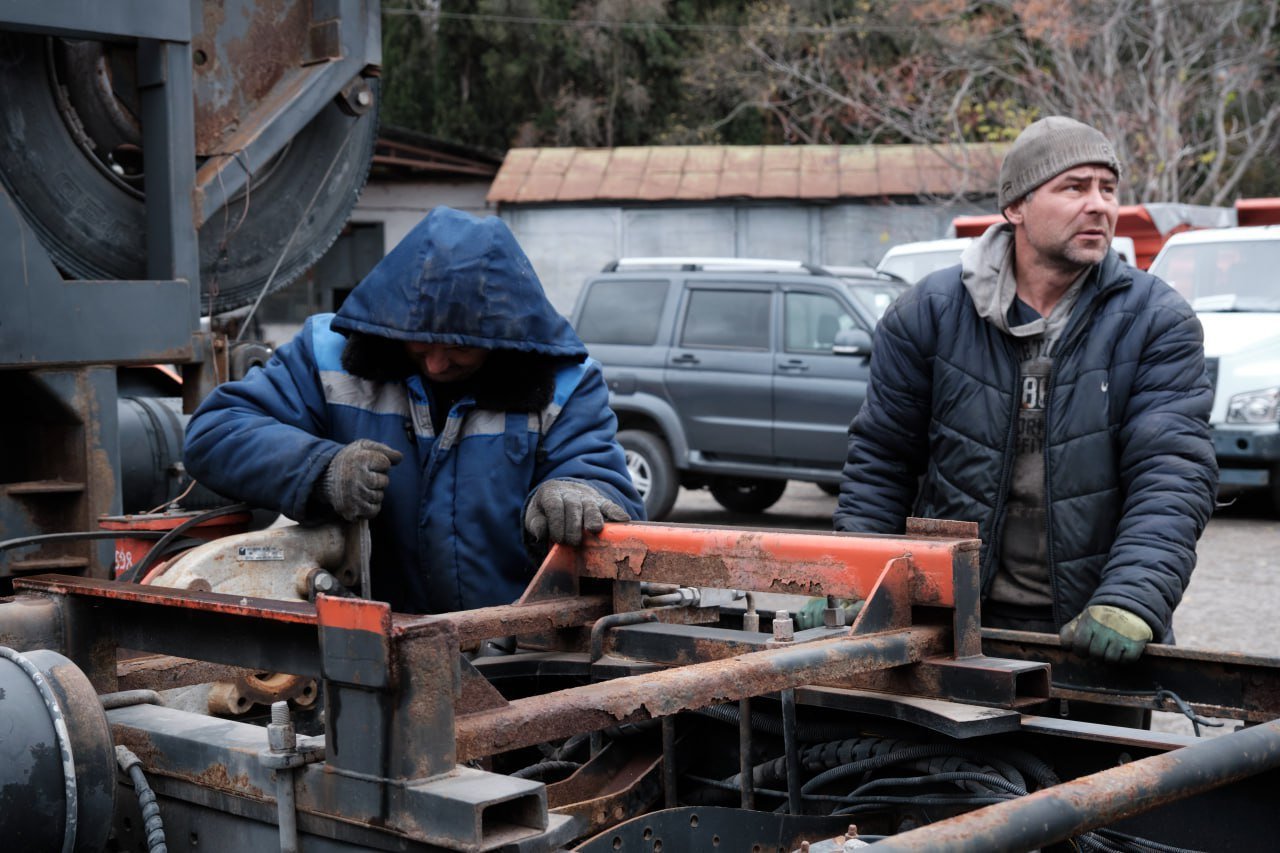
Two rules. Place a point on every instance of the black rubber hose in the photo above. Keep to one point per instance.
(540, 770)
(807, 732)
(41, 538)
(139, 570)
(152, 824)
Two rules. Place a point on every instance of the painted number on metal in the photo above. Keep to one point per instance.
(259, 552)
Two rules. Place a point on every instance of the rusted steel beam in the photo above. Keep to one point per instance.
(841, 564)
(1215, 684)
(299, 612)
(474, 626)
(1074, 807)
(592, 707)
(164, 672)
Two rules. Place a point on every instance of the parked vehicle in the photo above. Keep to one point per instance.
(732, 374)
(1229, 277)
(913, 261)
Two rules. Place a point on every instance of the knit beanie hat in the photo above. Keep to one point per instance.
(1046, 149)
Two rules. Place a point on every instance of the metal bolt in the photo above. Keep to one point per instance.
(784, 630)
(364, 97)
(281, 736)
(325, 582)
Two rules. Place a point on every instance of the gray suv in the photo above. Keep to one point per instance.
(732, 374)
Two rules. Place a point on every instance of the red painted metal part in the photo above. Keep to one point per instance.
(842, 564)
(130, 550)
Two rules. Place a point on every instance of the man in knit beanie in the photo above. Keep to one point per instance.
(1055, 395)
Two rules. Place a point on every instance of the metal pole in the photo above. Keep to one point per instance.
(744, 754)
(1074, 807)
(669, 762)
(791, 750)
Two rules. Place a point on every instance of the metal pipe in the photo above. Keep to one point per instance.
(615, 620)
(1066, 810)
(744, 754)
(536, 719)
(669, 762)
(125, 698)
(791, 750)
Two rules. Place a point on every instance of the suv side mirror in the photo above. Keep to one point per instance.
(852, 342)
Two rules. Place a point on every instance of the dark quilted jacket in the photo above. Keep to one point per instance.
(1131, 474)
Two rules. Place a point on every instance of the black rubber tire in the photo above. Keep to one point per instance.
(832, 489)
(94, 228)
(649, 461)
(748, 495)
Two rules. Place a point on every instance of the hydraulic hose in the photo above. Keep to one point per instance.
(153, 826)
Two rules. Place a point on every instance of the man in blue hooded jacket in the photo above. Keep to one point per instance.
(1054, 395)
(448, 402)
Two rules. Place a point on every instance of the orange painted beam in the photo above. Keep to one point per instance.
(842, 564)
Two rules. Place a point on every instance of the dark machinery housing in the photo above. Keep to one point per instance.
(166, 160)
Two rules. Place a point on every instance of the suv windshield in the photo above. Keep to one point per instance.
(875, 297)
(1234, 275)
(913, 266)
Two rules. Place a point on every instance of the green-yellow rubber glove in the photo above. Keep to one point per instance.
(1107, 632)
(810, 615)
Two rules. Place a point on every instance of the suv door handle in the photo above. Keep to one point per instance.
(793, 364)
(686, 358)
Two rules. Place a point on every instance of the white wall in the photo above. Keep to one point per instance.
(567, 243)
(401, 205)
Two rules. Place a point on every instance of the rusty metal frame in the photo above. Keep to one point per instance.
(405, 711)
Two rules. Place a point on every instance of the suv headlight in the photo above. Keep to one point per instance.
(1254, 407)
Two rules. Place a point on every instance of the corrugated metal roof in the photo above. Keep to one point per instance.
(703, 173)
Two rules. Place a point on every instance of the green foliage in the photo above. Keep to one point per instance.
(1182, 89)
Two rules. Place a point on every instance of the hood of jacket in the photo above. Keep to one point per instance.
(462, 280)
(987, 273)
(986, 270)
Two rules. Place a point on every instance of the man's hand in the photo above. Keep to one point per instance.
(1110, 633)
(562, 509)
(353, 483)
(810, 615)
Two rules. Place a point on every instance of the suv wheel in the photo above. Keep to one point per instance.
(654, 476)
(748, 495)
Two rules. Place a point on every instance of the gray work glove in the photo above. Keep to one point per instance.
(562, 509)
(355, 479)
(1108, 632)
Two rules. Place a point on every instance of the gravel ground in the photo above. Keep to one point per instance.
(1230, 605)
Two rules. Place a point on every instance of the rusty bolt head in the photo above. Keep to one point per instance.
(784, 630)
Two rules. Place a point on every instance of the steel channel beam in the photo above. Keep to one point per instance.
(271, 636)
(1074, 807)
(525, 722)
(168, 137)
(154, 19)
(1216, 684)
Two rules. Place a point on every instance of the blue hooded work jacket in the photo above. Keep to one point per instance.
(450, 534)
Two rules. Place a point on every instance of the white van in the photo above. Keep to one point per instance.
(1231, 277)
(913, 261)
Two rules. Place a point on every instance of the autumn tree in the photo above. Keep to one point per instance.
(1181, 86)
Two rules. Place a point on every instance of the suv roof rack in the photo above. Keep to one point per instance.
(696, 264)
